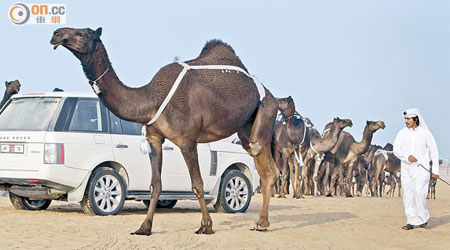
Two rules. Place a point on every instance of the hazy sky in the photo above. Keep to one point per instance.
(363, 60)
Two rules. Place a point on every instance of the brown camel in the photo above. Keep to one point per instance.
(343, 155)
(12, 88)
(209, 105)
(319, 144)
(298, 137)
(282, 151)
(290, 137)
(384, 160)
(363, 168)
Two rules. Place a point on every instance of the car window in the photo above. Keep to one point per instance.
(88, 116)
(33, 114)
(131, 128)
(114, 123)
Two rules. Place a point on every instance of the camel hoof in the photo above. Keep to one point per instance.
(281, 196)
(317, 194)
(145, 229)
(204, 230)
(259, 228)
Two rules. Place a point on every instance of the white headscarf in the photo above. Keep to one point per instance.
(413, 112)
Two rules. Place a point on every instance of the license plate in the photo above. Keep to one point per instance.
(12, 148)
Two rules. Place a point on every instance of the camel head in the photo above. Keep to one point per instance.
(388, 147)
(12, 87)
(79, 41)
(286, 106)
(342, 123)
(374, 126)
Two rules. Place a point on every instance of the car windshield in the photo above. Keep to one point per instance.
(29, 114)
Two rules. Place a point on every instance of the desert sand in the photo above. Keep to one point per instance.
(310, 223)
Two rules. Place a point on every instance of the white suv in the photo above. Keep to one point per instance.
(68, 146)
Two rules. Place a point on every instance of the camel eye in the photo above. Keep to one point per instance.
(79, 35)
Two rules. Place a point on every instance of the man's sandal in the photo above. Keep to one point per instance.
(423, 225)
(408, 227)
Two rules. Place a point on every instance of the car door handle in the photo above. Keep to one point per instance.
(168, 148)
(121, 146)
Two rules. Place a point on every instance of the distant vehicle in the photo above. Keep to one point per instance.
(68, 146)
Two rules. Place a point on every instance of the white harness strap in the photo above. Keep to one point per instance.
(298, 156)
(187, 67)
(384, 152)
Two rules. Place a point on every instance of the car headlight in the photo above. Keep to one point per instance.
(54, 153)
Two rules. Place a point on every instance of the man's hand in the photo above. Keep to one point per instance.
(435, 176)
(412, 158)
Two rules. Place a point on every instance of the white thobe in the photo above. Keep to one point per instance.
(420, 143)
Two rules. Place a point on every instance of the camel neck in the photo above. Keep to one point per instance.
(6, 97)
(366, 140)
(132, 104)
(326, 142)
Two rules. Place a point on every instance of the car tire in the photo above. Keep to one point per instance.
(24, 203)
(235, 193)
(162, 203)
(105, 193)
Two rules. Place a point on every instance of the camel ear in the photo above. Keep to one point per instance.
(98, 32)
(6, 83)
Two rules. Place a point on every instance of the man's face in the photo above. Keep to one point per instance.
(410, 123)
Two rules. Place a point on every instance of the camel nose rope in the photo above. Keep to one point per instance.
(430, 173)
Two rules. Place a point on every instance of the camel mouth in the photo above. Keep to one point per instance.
(56, 46)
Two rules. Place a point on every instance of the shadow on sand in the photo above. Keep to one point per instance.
(301, 220)
(438, 221)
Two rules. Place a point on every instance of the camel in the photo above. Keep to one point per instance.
(282, 150)
(12, 88)
(343, 155)
(393, 180)
(319, 144)
(292, 141)
(298, 136)
(363, 168)
(384, 160)
(432, 184)
(209, 104)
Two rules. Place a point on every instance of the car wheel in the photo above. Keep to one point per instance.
(24, 203)
(105, 193)
(234, 194)
(162, 203)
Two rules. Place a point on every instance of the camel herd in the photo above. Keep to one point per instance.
(331, 163)
(215, 98)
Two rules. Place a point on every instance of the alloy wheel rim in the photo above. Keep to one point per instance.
(236, 193)
(35, 203)
(107, 193)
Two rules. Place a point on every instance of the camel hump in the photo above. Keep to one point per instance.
(217, 52)
(216, 44)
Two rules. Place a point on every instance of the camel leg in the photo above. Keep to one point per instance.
(326, 177)
(292, 174)
(305, 178)
(190, 155)
(348, 179)
(279, 162)
(334, 179)
(298, 179)
(316, 177)
(259, 147)
(284, 178)
(155, 187)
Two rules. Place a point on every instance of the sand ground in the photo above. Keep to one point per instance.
(310, 223)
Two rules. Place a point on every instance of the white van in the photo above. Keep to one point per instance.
(68, 146)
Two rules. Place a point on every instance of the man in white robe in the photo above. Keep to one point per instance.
(415, 147)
